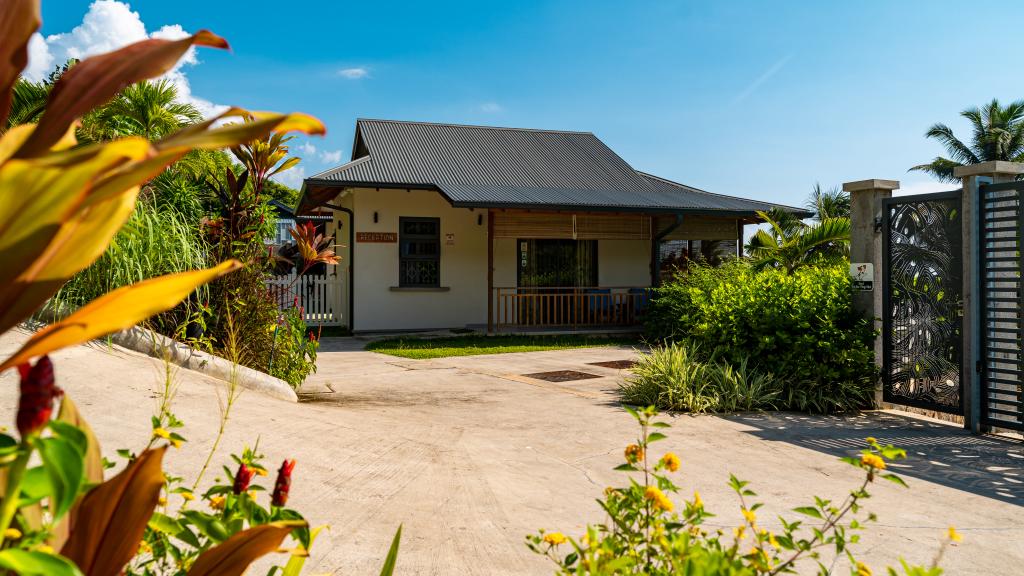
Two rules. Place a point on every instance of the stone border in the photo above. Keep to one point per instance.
(150, 343)
(159, 346)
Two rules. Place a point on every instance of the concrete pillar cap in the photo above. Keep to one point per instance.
(875, 184)
(990, 168)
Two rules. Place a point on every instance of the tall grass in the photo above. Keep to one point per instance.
(675, 377)
(152, 243)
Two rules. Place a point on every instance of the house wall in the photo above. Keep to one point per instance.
(380, 304)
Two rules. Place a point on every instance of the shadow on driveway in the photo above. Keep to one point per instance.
(943, 454)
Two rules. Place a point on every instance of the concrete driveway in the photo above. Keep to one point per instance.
(470, 455)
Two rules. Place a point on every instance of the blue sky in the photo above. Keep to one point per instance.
(754, 99)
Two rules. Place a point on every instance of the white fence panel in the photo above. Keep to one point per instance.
(319, 296)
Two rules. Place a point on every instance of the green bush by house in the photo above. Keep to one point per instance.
(799, 327)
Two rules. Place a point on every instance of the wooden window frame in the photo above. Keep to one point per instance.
(403, 238)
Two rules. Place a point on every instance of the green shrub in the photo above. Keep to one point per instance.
(674, 377)
(801, 327)
(294, 351)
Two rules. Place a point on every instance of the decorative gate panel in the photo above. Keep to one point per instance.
(922, 314)
(1001, 226)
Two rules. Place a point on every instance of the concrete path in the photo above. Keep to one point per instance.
(470, 455)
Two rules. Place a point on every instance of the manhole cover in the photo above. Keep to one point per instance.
(561, 376)
(615, 364)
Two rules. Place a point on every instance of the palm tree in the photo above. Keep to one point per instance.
(831, 203)
(149, 109)
(27, 103)
(998, 135)
(789, 243)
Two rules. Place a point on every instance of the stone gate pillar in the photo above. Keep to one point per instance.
(866, 248)
(973, 176)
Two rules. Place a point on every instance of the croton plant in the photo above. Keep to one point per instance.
(61, 203)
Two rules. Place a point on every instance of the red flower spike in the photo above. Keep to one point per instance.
(35, 406)
(242, 479)
(283, 483)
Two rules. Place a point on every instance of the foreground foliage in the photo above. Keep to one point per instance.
(799, 327)
(646, 532)
(61, 204)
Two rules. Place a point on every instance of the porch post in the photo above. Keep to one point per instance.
(866, 248)
(972, 177)
(490, 271)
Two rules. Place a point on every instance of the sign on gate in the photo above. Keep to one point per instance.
(862, 275)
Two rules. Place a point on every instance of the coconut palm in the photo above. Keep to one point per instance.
(28, 100)
(149, 109)
(998, 134)
(790, 243)
(831, 203)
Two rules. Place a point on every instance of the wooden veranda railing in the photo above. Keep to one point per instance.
(570, 307)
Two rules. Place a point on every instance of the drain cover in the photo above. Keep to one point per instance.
(615, 364)
(561, 376)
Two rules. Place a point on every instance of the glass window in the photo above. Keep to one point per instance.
(419, 252)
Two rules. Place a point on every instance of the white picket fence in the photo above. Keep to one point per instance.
(320, 297)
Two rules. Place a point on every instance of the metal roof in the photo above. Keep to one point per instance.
(484, 166)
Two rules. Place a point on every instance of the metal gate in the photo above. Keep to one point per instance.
(1000, 365)
(922, 286)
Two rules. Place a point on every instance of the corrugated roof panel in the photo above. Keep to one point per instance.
(482, 165)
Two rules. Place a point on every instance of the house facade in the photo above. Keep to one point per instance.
(450, 226)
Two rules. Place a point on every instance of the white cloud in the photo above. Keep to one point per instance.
(331, 157)
(292, 177)
(307, 148)
(108, 25)
(354, 73)
(491, 107)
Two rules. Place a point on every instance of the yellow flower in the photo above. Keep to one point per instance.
(773, 541)
(670, 461)
(161, 433)
(162, 501)
(697, 502)
(175, 442)
(871, 440)
(634, 453)
(188, 496)
(259, 471)
(872, 461)
(954, 536)
(609, 491)
(43, 548)
(738, 532)
(12, 534)
(554, 538)
(863, 570)
(144, 548)
(750, 516)
(217, 502)
(658, 498)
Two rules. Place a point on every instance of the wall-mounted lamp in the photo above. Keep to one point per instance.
(878, 224)
(479, 219)
(375, 218)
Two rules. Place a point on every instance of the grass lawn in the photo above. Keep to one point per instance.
(423, 348)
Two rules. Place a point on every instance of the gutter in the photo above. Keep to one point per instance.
(351, 262)
(655, 255)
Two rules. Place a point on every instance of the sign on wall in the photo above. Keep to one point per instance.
(863, 276)
(377, 237)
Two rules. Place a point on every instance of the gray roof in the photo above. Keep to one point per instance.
(483, 166)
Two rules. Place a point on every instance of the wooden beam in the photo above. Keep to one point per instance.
(490, 271)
